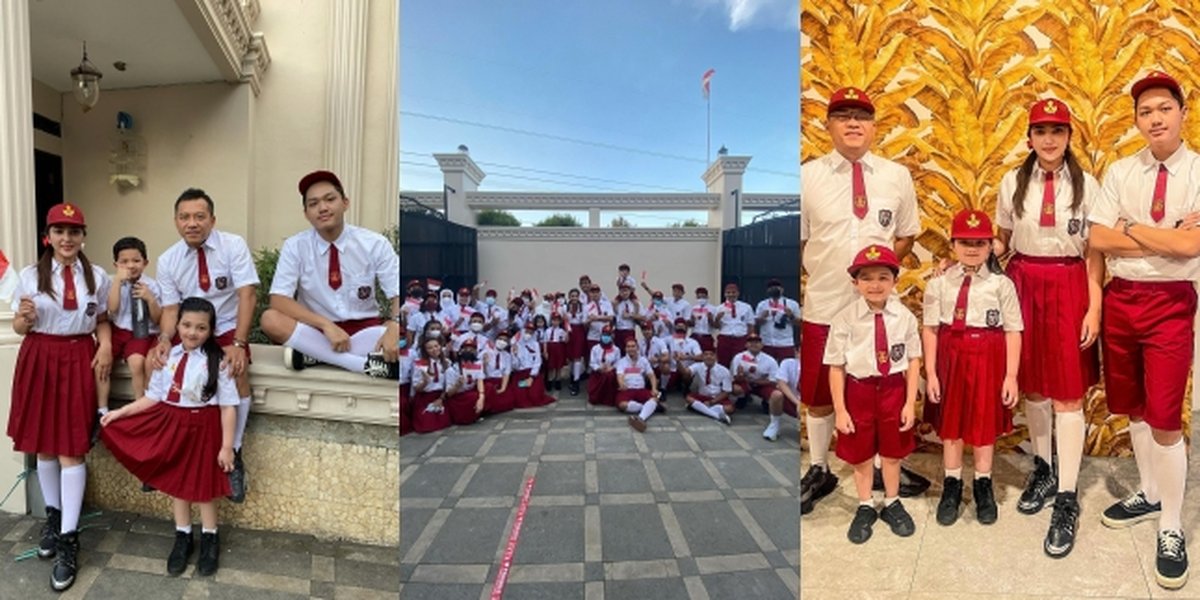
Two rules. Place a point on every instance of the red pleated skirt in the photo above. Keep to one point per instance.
(495, 402)
(971, 368)
(405, 410)
(602, 388)
(426, 422)
(1053, 292)
(556, 355)
(53, 395)
(528, 397)
(577, 345)
(172, 449)
(461, 407)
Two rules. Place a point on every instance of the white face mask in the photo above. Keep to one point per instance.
(501, 345)
(435, 333)
(476, 327)
(702, 301)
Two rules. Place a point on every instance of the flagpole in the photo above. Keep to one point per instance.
(707, 128)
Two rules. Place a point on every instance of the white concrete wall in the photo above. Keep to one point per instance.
(552, 259)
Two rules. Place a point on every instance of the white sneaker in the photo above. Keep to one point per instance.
(725, 418)
(771, 432)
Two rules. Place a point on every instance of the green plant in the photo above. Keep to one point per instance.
(559, 220)
(497, 218)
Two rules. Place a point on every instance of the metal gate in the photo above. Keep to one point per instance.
(432, 247)
(756, 253)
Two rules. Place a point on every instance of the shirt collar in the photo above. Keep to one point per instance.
(890, 308)
(1173, 162)
(842, 164)
(340, 242)
(56, 267)
(1061, 173)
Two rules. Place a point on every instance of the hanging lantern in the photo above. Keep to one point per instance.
(86, 79)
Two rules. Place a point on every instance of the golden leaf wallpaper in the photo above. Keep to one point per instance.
(952, 81)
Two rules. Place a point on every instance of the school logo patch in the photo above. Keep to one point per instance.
(1074, 226)
(993, 317)
(364, 292)
(91, 309)
(897, 352)
(222, 283)
(885, 217)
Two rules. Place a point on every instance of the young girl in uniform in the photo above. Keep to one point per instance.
(465, 399)
(530, 390)
(629, 313)
(701, 320)
(972, 337)
(430, 379)
(577, 340)
(1041, 214)
(602, 383)
(178, 437)
(406, 357)
(497, 368)
(60, 305)
(557, 339)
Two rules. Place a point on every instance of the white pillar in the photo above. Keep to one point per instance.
(724, 177)
(460, 175)
(391, 157)
(17, 204)
(346, 95)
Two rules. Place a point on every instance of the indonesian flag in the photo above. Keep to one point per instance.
(8, 280)
(705, 80)
(433, 284)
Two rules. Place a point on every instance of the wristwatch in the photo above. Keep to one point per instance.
(243, 344)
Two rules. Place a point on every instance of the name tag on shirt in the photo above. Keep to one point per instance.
(633, 371)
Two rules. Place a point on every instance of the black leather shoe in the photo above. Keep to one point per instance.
(911, 484)
(898, 519)
(182, 551)
(985, 500)
(860, 527)
(210, 553)
(1064, 521)
(816, 484)
(62, 576)
(49, 544)
(947, 509)
(1039, 489)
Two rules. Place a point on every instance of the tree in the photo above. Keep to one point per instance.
(687, 223)
(559, 220)
(497, 218)
(620, 222)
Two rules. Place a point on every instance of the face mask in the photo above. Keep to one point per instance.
(435, 333)
(476, 327)
(467, 356)
(775, 293)
(501, 345)
(702, 301)
(606, 339)
(659, 303)
(402, 343)
(490, 301)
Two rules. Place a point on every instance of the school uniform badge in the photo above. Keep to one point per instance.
(1074, 226)
(897, 352)
(91, 309)
(222, 282)
(885, 217)
(364, 292)
(993, 317)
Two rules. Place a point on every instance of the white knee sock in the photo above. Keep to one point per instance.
(1170, 472)
(313, 343)
(1143, 448)
(820, 431)
(633, 407)
(576, 370)
(1071, 431)
(703, 409)
(243, 414)
(648, 410)
(1040, 416)
(48, 477)
(74, 480)
(775, 420)
(364, 342)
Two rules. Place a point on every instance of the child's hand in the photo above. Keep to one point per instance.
(339, 340)
(110, 416)
(933, 388)
(844, 423)
(908, 416)
(1091, 329)
(1010, 393)
(225, 459)
(28, 310)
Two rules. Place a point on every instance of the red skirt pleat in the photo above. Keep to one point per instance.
(495, 402)
(528, 397)
(53, 395)
(577, 345)
(426, 422)
(461, 407)
(556, 355)
(971, 368)
(172, 449)
(602, 388)
(1054, 300)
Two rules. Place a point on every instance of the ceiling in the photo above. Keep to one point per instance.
(151, 36)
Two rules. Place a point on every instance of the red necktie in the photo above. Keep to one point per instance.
(881, 346)
(335, 268)
(860, 191)
(497, 360)
(1158, 209)
(1048, 201)
(202, 263)
(960, 306)
(70, 302)
(732, 309)
(433, 368)
(177, 384)
(707, 375)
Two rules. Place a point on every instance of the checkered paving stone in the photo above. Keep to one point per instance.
(691, 509)
(124, 556)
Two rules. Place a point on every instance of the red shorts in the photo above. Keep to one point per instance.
(705, 340)
(709, 400)
(874, 405)
(780, 353)
(728, 346)
(814, 373)
(1147, 332)
(1053, 291)
(741, 387)
(639, 395)
(125, 345)
(354, 326)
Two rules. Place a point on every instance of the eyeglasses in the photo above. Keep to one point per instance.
(861, 116)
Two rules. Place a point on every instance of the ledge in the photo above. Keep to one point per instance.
(560, 201)
(585, 234)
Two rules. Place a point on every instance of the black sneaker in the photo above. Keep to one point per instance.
(947, 509)
(911, 484)
(49, 544)
(1040, 487)
(297, 360)
(381, 369)
(898, 519)
(860, 527)
(985, 500)
(1133, 509)
(210, 554)
(574, 387)
(815, 484)
(178, 560)
(1171, 564)
(237, 479)
(62, 576)
(1060, 538)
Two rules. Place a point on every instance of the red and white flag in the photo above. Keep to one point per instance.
(8, 280)
(705, 82)
(433, 284)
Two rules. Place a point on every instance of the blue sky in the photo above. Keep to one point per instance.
(621, 76)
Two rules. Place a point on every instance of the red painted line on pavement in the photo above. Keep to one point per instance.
(506, 562)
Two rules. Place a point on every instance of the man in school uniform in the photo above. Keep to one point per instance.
(776, 317)
(753, 372)
(734, 320)
(700, 319)
(1149, 308)
(217, 266)
(323, 307)
(852, 199)
(710, 388)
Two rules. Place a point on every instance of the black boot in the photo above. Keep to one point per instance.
(1064, 521)
(49, 544)
(62, 576)
(1039, 489)
(210, 553)
(985, 500)
(178, 560)
(947, 509)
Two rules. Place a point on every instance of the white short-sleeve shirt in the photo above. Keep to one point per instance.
(195, 377)
(633, 372)
(599, 308)
(602, 355)
(736, 318)
(991, 300)
(852, 339)
(230, 267)
(775, 312)
(700, 313)
(712, 383)
(686, 347)
(1068, 236)
(124, 318)
(758, 369)
(363, 257)
(51, 318)
(789, 374)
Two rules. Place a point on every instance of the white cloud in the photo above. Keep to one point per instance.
(751, 14)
